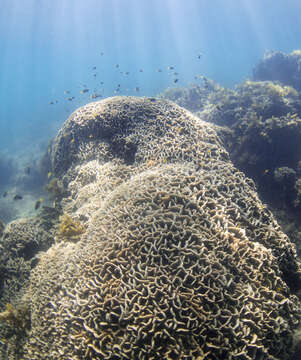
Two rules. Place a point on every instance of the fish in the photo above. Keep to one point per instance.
(170, 68)
(176, 80)
(117, 66)
(94, 75)
(84, 91)
(18, 197)
(53, 102)
(137, 89)
(101, 83)
(66, 92)
(140, 70)
(27, 170)
(159, 70)
(4, 194)
(71, 98)
(38, 203)
(94, 68)
(200, 55)
(95, 96)
(127, 73)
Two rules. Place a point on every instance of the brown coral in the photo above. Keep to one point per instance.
(69, 229)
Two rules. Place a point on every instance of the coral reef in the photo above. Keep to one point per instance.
(14, 327)
(180, 259)
(278, 66)
(21, 241)
(55, 189)
(69, 229)
(16, 317)
(19, 247)
(261, 128)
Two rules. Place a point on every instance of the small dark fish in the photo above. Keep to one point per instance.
(117, 66)
(127, 73)
(200, 55)
(53, 102)
(101, 54)
(101, 83)
(66, 92)
(170, 68)
(137, 89)
(176, 74)
(27, 170)
(70, 98)
(95, 96)
(18, 197)
(84, 91)
(94, 68)
(118, 85)
(218, 108)
(140, 70)
(94, 75)
(176, 80)
(38, 204)
(159, 70)
(4, 194)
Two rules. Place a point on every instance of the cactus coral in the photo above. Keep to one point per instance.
(179, 261)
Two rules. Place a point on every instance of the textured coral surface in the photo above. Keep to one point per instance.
(180, 259)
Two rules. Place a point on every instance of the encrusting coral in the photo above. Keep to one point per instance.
(180, 259)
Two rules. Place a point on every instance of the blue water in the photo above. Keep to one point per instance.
(48, 47)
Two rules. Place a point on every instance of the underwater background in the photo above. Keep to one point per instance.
(48, 48)
(234, 66)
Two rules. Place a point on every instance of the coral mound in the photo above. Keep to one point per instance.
(279, 66)
(180, 259)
